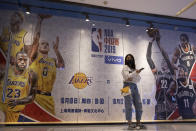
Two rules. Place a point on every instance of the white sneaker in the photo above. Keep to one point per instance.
(132, 127)
(140, 126)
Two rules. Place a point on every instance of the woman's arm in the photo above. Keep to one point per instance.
(128, 74)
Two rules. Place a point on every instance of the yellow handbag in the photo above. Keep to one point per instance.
(125, 91)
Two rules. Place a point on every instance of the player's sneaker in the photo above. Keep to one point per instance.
(132, 127)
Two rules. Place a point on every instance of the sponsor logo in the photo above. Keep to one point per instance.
(80, 80)
(113, 59)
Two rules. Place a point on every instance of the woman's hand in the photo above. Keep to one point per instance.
(129, 79)
(138, 71)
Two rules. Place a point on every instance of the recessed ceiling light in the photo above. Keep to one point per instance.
(105, 2)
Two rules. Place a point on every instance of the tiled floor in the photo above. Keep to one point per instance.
(123, 127)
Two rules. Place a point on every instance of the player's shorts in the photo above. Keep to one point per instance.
(161, 113)
(12, 116)
(160, 116)
(187, 114)
(47, 102)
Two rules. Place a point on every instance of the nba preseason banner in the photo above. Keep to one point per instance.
(77, 68)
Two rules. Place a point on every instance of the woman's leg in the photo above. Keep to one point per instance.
(128, 108)
(129, 122)
(137, 103)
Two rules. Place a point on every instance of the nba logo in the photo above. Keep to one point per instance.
(96, 40)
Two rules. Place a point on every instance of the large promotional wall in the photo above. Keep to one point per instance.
(83, 86)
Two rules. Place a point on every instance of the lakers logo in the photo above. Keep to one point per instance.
(16, 83)
(80, 80)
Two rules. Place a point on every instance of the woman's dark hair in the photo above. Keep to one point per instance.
(130, 63)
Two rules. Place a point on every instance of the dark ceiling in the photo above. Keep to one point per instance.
(70, 9)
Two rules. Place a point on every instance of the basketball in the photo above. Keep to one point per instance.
(152, 32)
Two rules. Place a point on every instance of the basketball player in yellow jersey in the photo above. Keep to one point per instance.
(45, 68)
(18, 36)
(21, 39)
(21, 88)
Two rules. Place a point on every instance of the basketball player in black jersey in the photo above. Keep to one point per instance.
(165, 103)
(185, 93)
(184, 54)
